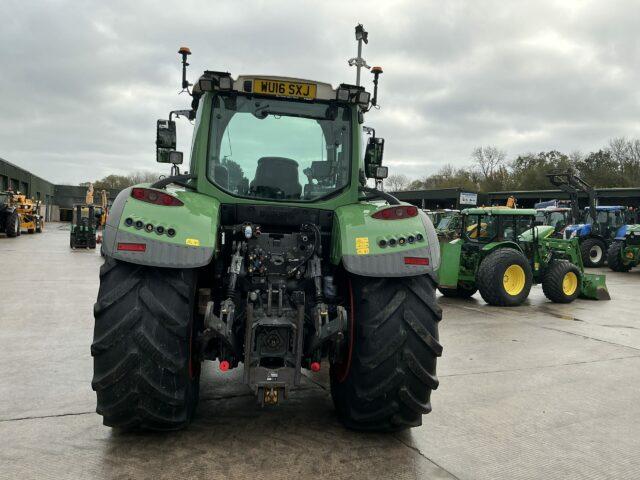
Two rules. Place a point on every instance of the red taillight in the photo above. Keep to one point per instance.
(396, 212)
(132, 247)
(224, 365)
(416, 261)
(153, 196)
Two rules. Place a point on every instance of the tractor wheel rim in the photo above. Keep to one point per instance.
(570, 283)
(595, 253)
(513, 280)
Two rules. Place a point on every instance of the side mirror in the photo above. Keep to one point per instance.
(175, 157)
(373, 158)
(165, 140)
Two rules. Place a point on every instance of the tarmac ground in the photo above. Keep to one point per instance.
(542, 391)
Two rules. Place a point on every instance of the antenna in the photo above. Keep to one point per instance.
(361, 36)
(185, 52)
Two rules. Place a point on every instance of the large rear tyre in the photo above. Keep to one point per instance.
(385, 383)
(561, 283)
(505, 278)
(593, 251)
(12, 227)
(146, 373)
(614, 258)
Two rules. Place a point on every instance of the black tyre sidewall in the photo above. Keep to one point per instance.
(393, 362)
(172, 339)
(553, 280)
(614, 257)
(490, 277)
(585, 249)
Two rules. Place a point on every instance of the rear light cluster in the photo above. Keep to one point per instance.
(149, 227)
(396, 212)
(155, 197)
(401, 240)
(416, 261)
(132, 247)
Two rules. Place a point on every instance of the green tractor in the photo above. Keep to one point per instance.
(502, 254)
(448, 225)
(83, 227)
(271, 255)
(624, 251)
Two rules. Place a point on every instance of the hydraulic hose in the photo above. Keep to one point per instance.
(177, 179)
(379, 193)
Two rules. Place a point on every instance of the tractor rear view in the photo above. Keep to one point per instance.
(502, 254)
(273, 256)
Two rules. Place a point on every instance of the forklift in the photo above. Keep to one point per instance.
(83, 227)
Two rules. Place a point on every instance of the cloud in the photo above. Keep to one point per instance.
(83, 82)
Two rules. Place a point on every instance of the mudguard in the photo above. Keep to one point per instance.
(625, 230)
(450, 266)
(356, 243)
(195, 224)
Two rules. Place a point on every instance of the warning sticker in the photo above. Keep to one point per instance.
(194, 242)
(362, 245)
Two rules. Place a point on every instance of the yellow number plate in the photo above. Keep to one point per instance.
(279, 88)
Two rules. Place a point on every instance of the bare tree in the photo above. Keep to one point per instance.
(397, 182)
(488, 160)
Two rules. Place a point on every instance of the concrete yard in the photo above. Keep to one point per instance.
(542, 391)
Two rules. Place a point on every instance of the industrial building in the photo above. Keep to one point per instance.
(57, 200)
(457, 198)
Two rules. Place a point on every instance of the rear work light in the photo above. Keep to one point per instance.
(153, 196)
(396, 212)
(132, 247)
(416, 261)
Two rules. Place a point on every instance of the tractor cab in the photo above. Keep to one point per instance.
(495, 224)
(608, 219)
(448, 224)
(557, 217)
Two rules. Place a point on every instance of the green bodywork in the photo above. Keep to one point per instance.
(197, 222)
(461, 258)
(630, 253)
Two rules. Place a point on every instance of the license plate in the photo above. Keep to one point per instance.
(279, 88)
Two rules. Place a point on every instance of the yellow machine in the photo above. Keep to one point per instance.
(29, 211)
(102, 209)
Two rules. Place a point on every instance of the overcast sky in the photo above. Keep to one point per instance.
(82, 83)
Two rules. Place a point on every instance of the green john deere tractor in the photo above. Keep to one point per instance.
(271, 255)
(502, 254)
(624, 251)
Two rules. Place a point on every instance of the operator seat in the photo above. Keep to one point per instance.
(276, 177)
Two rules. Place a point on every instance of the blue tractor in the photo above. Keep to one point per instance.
(597, 232)
(595, 227)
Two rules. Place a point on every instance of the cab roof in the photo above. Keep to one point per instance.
(609, 208)
(499, 211)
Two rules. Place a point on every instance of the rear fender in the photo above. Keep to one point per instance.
(449, 271)
(195, 224)
(356, 243)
